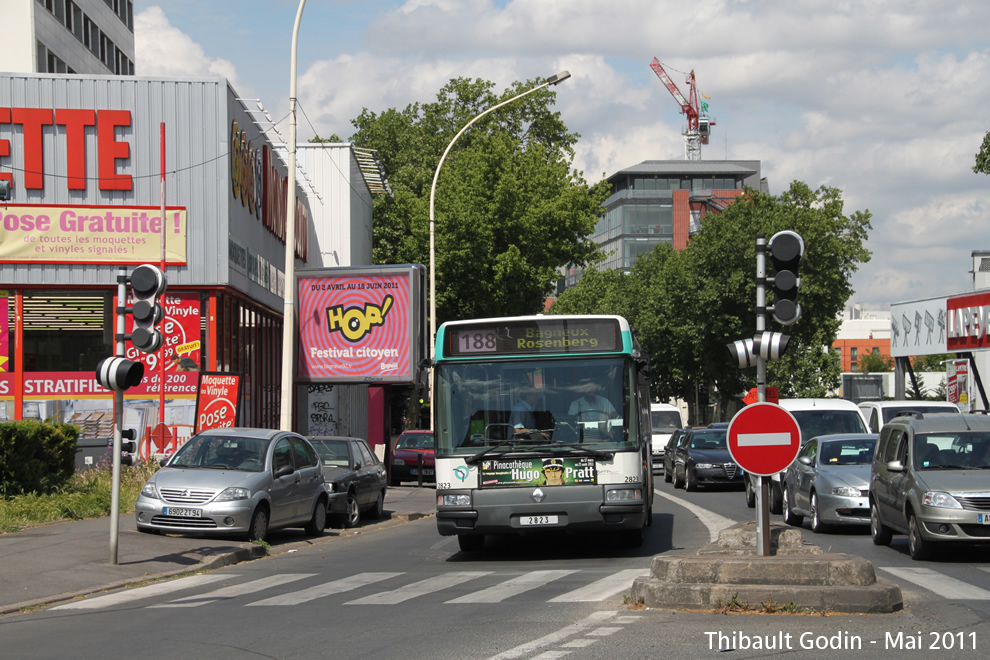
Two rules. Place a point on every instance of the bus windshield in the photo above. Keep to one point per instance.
(502, 406)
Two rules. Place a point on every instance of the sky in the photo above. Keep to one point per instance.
(887, 100)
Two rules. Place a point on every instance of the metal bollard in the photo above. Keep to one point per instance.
(419, 469)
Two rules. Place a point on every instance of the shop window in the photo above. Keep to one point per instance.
(67, 331)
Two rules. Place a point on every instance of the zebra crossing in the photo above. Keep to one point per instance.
(939, 583)
(392, 588)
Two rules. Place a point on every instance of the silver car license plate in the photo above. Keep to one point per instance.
(538, 520)
(983, 518)
(182, 513)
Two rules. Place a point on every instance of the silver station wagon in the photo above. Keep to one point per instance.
(240, 481)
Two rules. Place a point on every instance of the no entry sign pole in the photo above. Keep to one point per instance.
(763, 492)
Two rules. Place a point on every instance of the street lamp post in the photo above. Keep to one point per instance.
(552, 80)
(288, 310)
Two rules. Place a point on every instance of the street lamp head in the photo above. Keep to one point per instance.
(558, 77)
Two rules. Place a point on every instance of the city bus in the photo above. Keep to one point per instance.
(542, 424)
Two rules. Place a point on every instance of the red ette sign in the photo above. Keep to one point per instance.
(764, 439)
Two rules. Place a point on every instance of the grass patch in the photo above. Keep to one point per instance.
(86, 495)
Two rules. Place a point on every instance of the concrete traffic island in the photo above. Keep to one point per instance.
(732, 570)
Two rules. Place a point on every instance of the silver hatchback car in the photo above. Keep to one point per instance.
(241, 481)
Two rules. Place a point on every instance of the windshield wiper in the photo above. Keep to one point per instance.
(218, 466)
(597, 453)
(474, 458)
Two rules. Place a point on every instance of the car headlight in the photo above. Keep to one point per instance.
(150, 490)
(940, 499)
(704, 466)
(232, 494)
(453, 500)
(846, 491)
(623, 494)
(398, 461)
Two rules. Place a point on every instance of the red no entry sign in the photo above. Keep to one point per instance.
(764, 439)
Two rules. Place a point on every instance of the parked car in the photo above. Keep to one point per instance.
(664, 420)
(669, 453)
(814, 417)
(413, 451)
(830, 481)
(702, 457)
(930, 479)
(242, 481)
(878, 413)
(356, 479)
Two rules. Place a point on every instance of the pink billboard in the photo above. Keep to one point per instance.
(360, 325)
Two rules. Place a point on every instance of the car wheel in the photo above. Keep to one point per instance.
(750, 493)
(776, 498)
(690, 483)
(471, 543)
(352, 514)
(378, 510)
(258, 529)
(817, 526)
(667, 476)
(918, 548)
(678, 482)
(790, 517)
(881, 533)
(318, 522)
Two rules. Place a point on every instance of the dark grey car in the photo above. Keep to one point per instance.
(356, 479)
(241, 481)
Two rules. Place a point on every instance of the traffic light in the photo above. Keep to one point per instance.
(128, 446)
(786, 249)
(770, 345)
(742, 352)
(117, 374)
(147, 283)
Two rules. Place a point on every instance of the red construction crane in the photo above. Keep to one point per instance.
(699, 123)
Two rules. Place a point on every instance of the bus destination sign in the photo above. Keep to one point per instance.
(531, 337)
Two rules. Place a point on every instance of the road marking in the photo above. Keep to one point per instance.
(763, 439)
(149, 591)
(518, 585)
(593, 621)
(714, 522)
(421, 588)
(326, 589)
(236, 590)
(601, 589)
(941, 584)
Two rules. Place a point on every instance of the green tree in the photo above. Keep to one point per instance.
(509, 210)
(983, 157)
(686, 306)
(932, 362)
(875, 362)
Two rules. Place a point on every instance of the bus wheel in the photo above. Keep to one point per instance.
(471, 543)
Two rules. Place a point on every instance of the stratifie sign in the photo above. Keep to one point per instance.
(216, 402)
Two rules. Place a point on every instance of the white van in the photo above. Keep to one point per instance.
(878, 413)
(665, 419)
(815, 417)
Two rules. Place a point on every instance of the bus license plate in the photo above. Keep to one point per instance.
(538, 520)
(182, 513)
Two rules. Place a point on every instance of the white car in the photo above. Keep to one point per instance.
(878, 413)
(665, 419)
(815, 417)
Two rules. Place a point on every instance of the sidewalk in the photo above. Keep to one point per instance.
(55, 562)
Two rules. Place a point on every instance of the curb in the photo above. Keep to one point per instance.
(209, 562)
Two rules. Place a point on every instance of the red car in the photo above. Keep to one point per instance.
(406, 453)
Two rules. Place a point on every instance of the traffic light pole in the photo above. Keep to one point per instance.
(118, 418)
(763, 493)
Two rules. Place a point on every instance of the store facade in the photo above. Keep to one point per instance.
(83, 156)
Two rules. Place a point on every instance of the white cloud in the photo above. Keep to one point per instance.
(162, 50)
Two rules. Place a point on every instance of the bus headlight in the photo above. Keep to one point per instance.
(453, 500)
(623, 494)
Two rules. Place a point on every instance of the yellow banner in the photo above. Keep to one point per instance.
(91, 234)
